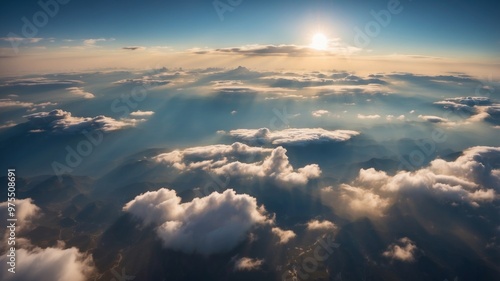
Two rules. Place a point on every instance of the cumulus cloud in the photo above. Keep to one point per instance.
(283, 235)
(320, 225)
(225, 160)
(140, 113)
(473, 178)
(403, 250)
(208, 225)
(78, 91)
(50, 264)
(248, 264)
(320, 113)
(292, 136)
(60, 121)
(26, 212)
(361, 116)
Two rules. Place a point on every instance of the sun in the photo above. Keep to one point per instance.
(319, 42)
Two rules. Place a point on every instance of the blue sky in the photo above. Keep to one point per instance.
(434, 28)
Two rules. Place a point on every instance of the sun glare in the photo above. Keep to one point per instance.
(319, 42)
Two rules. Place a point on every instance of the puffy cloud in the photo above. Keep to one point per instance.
(60, 121)
(292, 136)
(283, 235)
(361, 116)
(320, 113)
(78, 91)
(403, 250)
(392, 117)
(247, 264)
(26, 211)
(140, 113)
(208, 225)
(320, 225)
(225, 160)
(362, 202)
(473, 178)
(92, 41)
(50, 264)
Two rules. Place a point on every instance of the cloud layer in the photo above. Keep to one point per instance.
(299, 137)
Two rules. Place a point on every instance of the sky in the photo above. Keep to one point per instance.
(250, 140)
(461, 30)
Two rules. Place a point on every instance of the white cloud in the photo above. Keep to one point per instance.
(361, 116)
(80, 92)
(320, 225)
(21, 39)
(433, 119)
(247, 264)
(226, 160)
(283, 235)
(26, 211)
(292, 136)
(403, 250)
(50, 264)
(472, 178)
(208, 225)
(140, 113)
(93, 41)
(320, 113)
(60, 121)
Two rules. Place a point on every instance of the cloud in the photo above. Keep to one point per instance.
(140, 113)
(50, 264)
(248, 264)
(92, 42)
(80, 92)
(335, 47)
(134, 48)
(276, 167)
(320, 225)
(226, 160)
(208, 225)
(403, 250)
(26, 212)
(392, 117)
(361, 116)
(60, 121)
(146, 80)
(291, 136)
(283, 235)
(21, 40)
(433, 119)
(39, 81)
(473, 178)
(320, 113)
(12, 103)
(9, 103)
(362, 202)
